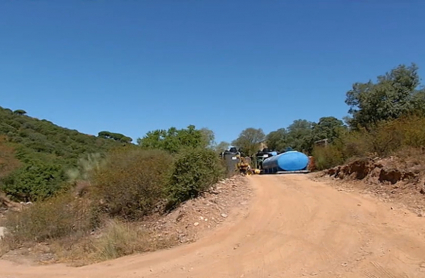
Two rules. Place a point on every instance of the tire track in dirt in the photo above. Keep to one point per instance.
(294, 227)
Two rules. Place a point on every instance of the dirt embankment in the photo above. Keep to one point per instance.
(197, 217)
(189, 222)
(293, 227)
(393, 179)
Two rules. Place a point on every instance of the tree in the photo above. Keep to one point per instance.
(20, 112)
(194, 172)
(277, 140)
(114, 136)
(328, 128)
(208, 137)
(389, 98)
(222, 146)
(35, 181)
(249, 140)
(299, 136)
(173, 139)
(419, 102)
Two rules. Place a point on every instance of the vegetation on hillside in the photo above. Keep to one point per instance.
(43, 153)
(385, 116)
(124, 185)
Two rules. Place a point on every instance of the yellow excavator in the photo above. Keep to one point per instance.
(244, 166)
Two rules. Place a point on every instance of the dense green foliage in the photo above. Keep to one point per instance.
(195, 170)
(173, 139)
(46, 152)
(114, 136)
(249, 140)
(196, 165)
(277, 140)
(393, 95)
(329, 128)
(35, 181)
(301, 135)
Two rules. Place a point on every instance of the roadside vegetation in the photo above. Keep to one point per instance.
(36, 155)
(386, 118)
(93, 209)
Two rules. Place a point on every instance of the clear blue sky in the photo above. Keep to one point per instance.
(135, 66)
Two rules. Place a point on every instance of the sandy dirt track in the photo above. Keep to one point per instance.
(295, 227)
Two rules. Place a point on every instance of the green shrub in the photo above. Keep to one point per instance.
(195, 170)
(35, 181)
(131, 182)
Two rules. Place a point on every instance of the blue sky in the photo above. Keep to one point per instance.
(135, 66)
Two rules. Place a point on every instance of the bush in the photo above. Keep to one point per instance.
(195, 170)
(385, 138)
(327, 157)
(120, 239)
(34, 182)
(413, 129)
(131, 182)
(60, 216)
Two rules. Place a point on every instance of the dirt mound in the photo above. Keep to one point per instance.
(393, 179)
(388, 171)
(192, 219)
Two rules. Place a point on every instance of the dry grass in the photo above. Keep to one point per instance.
(404, 137)
(120, 239)
(55, 218)
(116, 239)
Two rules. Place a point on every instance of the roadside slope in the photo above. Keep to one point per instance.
(295, 227)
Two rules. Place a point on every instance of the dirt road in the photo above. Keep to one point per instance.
(295, 228)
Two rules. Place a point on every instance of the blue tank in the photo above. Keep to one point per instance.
(287, 161)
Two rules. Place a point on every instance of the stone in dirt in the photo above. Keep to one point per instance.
(2, 232)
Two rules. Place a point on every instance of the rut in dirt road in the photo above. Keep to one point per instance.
(295, 227)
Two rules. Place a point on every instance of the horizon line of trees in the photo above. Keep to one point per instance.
(395, 94)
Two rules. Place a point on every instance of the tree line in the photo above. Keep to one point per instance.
(394, 95)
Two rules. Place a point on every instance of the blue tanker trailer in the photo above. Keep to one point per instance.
(287, 162)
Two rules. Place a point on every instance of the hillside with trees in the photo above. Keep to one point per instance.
(84, 183)
(35, 155)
